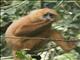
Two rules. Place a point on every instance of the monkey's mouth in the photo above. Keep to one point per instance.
(51, 19)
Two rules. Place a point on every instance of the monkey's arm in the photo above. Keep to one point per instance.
(27, 29)
(66, 46)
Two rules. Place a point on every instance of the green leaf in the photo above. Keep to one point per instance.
(20, 54)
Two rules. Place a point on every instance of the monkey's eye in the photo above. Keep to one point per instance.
(48, 15)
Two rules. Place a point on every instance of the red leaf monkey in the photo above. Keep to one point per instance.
(36, 24)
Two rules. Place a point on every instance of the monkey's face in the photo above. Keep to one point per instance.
(49, 16)
(44, 14)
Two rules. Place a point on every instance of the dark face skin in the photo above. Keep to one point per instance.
(49, 16)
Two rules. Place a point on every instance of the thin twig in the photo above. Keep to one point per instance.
(42, 38)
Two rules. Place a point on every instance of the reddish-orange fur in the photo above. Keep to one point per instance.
(31, 22)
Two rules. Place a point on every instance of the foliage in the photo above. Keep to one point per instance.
(22, 55)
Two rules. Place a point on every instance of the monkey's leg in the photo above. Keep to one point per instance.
(30, 44)
(66, 46)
